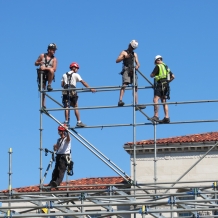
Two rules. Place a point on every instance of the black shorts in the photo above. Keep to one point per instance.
(73, 100)
(158, 91)
(161, 90)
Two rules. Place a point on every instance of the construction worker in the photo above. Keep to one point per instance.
(48, 64)
(70, 98)
(129, 57)
(163, 76)
(63, 150)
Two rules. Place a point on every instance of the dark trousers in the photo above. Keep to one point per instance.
(60, 168)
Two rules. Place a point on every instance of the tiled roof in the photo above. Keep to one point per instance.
(204, 137)
(74, 184)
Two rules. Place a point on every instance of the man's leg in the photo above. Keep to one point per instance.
(136, 95)
(122, 91)
(156, 107)
(76, 112)
(50, 78)
(61, 170)
(166, 119)
(165, 107)
(43, 97)
(55, 172)
(66, 112)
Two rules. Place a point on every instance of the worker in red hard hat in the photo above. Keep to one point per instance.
(70, 98)
(63, 153)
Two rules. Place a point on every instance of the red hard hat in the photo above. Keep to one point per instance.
(74, 64)
(61, 128)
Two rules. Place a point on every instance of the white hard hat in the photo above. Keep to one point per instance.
(134, 43)
(157, 57)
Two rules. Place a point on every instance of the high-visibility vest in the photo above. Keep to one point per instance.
(163, 72)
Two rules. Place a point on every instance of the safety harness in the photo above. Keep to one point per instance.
(70, 93)
(67, 158)
(162, 82)
(45, 73)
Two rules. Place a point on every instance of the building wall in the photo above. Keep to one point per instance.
(170, 166)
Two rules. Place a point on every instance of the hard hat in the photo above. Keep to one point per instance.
(157, 57)
(52, 46)
(74, 64)
(134, 43)
(61, 128)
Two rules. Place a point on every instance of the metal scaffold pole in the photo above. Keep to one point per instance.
(9, 181)
(42, 96)
(129, 194)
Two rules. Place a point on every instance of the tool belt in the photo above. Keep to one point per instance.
(129, 69)
(72, 93)
(70, 164)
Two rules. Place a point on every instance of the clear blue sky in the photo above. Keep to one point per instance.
(93, 33)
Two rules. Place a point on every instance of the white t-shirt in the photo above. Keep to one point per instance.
(74, 78)
(64, 146)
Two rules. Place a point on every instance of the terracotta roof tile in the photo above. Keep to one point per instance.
(74, 184)
(204, 137)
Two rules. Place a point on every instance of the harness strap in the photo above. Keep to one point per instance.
(46, 61)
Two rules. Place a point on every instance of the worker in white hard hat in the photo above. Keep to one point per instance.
(163, 76)
(128, 57)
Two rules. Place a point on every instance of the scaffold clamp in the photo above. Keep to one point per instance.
(172, 200)
(194, 192)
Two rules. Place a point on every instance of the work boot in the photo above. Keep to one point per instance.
(139, 106)
(80, 124)
(120, 103)
(53, 184)
(165, 120)
(49, 88)
(67, 123)
(155, 118)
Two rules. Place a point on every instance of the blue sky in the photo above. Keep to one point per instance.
(93, 33)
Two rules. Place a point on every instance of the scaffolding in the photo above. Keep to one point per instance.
(155, 199)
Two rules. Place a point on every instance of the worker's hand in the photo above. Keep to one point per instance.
(136, 67)
(93, 90)
(55, 147)
(42, 67)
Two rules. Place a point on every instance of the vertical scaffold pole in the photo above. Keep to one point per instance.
(40, 129)
(134, 130)
(9, 181)
(155, 153)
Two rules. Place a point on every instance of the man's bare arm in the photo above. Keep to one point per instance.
(121, 56)
(172, 77)
(87, 86)
(55, 64)
(39, 60)
(136, 61)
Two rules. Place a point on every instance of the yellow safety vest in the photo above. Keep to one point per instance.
(163, 72)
